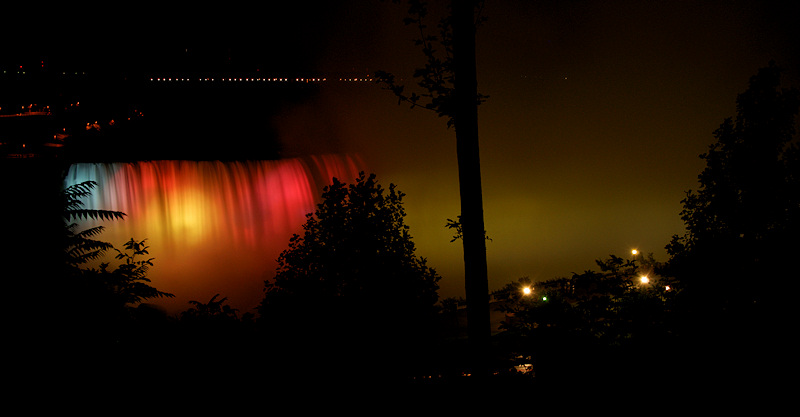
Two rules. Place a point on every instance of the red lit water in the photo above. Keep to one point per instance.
(213, 227)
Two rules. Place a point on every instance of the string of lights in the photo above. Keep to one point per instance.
(260, 79)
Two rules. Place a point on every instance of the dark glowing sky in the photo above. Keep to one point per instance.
(598, 110)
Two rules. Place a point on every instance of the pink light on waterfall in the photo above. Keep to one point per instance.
(212, 226)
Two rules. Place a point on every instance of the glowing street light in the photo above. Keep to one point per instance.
(527, 291)
(644, 279)
(634, 252)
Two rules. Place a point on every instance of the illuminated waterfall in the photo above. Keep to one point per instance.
(212, 226)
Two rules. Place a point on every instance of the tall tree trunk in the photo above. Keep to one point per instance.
(469, 175)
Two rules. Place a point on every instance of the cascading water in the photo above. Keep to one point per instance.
(212, 226)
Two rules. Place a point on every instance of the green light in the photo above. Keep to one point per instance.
(544, 298)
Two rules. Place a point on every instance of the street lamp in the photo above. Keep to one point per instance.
(644, 279)
(527, 291)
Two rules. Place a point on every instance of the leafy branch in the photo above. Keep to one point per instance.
(129, 280)
(456, 224)
(214, 309)
(128, 283)
(73, 205)
(436, 76)
(81, 247)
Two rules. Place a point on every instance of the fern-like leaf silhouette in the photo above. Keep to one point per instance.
(81, 247)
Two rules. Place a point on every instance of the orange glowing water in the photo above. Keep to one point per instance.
(213, 227)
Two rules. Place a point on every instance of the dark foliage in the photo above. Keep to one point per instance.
(436, 77)
(351, 283)
(574, 326)
(127, 284)
(99, 302)
(743, 221)
(81, 247)
(735, 258)
(214, 310)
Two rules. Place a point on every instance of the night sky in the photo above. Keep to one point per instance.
(597, 113)
(591, 135)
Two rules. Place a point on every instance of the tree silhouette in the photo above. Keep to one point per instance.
(737, 252)
(351, 281)
(742, 222)
(448, 81)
